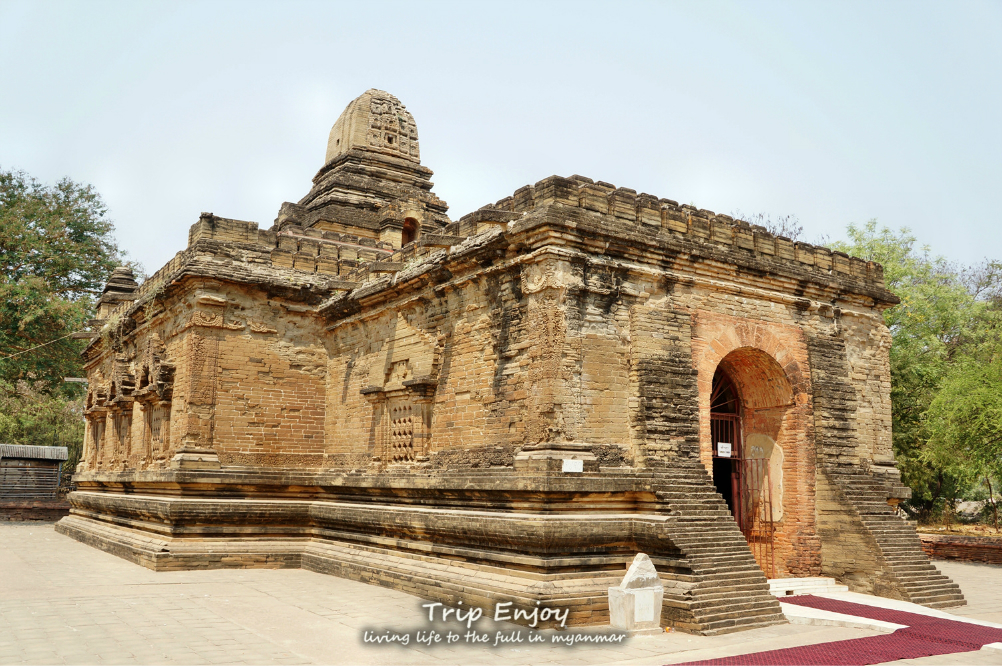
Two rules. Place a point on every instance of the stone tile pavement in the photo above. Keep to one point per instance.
(62, 602)
(981, 586)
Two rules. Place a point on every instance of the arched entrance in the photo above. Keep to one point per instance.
(741, 469)
(767, 365)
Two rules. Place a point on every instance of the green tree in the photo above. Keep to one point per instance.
(965, 415)
(29, 416)
(936, 329)
(56, 251)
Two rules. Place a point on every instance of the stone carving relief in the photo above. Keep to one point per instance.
(156, 373)
(549, 274)
(408, 350)
(547, 282)
(398, 373)
(212, 320)
(202, 357)
(140, 379)
(198, 412)
(122, 421)
(154, 394)
(259, 327)
(392, 127)
(96, 423)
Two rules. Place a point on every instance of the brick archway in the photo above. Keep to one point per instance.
(717, 336)
(769, 365)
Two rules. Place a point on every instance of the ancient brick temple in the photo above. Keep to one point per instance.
(507, 407)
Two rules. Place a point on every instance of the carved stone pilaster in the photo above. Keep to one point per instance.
(198, 421)
(421, 392)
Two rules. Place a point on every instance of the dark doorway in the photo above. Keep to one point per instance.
(726, 439)
(410, 232)
(724, 477)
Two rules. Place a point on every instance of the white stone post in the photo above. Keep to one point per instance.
(635, 605)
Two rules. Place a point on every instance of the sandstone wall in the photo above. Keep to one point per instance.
(515, 354)
(868, 343)
(246, 379)
(850, 554)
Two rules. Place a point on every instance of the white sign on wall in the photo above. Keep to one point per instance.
(724, 449)
(573, 466)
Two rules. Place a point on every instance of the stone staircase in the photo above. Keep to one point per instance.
(915, 576)
(720, 586)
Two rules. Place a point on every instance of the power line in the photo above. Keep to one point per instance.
(40, 346)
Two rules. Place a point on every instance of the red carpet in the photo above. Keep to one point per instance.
(923, 636)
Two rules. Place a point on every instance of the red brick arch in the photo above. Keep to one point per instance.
(760, 380)
(768, 363)
(717, 336)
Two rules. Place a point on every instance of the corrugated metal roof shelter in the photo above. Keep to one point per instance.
(34, 452)
(30, 472)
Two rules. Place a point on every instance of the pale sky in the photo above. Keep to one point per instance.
(836, 112)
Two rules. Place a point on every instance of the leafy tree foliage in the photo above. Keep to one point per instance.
(56, 251)
(31, 416)
(945, 340)
(965, 415)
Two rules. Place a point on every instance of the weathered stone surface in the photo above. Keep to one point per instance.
(337, 393)
(47, 510)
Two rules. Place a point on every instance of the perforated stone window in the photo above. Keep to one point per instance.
(158, 423)
(401, 429)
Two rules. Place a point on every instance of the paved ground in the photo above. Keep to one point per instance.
(65, 603)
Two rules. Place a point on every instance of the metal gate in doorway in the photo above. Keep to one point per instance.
(755, 510)
(745, 485)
